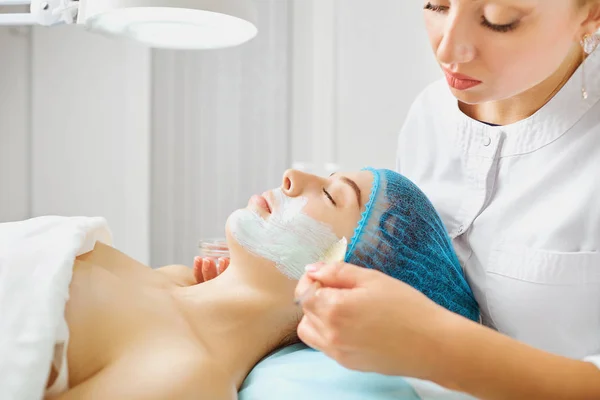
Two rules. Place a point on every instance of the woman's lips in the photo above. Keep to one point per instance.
(269, 200)
(261, 202)
(460, 81)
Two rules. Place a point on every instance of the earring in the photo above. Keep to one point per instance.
(589, 44)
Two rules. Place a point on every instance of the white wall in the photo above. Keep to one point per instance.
(313, 92)
(14, 124)
(357, 67)
(90, 132)
(383, 61)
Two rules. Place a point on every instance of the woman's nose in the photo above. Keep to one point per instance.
(293, 182)
(456, 45)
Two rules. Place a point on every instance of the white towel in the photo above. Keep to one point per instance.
(36, 266)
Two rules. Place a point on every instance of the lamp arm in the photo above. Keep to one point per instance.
(42, 12)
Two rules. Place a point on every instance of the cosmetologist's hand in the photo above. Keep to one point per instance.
(368, 321)
(206, 268)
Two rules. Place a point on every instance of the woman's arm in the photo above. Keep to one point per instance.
(489, 365)
(368, 321)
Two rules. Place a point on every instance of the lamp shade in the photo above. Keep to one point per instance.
(174, 24)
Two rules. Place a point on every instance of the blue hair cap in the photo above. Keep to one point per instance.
(401, 234)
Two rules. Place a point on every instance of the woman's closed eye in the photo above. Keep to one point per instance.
(436, 7)
(497, 27)
(502, 28)
(329, 197)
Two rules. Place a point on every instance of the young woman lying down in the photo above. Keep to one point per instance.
(137, 333)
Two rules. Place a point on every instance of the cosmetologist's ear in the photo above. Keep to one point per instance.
(591, 24)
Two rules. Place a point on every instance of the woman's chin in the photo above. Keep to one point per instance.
(230, 239)
(235, 248)
(239, 252)
(470, 98)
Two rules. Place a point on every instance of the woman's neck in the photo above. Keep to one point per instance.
(524, 105)
(242, 315)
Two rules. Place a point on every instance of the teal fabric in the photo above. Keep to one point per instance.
(300, 373)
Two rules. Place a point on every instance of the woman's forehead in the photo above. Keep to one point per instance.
(363, 179)
(519, 4)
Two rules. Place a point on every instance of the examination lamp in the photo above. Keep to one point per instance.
(174, 24)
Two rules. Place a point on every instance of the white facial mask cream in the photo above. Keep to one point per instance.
(288, 237)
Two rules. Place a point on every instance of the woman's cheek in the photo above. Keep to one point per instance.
(316, 209)
(341, 221)
(325, 215)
